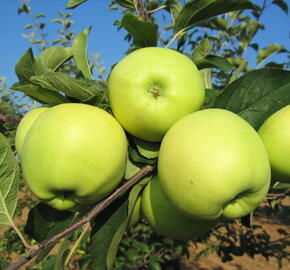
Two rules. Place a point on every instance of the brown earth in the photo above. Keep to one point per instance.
(270, 225)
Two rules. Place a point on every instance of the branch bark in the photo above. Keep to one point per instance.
(87, 218)
(11, 119)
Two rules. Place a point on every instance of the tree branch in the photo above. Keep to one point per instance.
(11, 119)
(87, 218)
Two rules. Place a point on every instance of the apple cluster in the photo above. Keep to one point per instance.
(212, 164)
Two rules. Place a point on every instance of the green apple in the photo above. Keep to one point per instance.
(151, 88)
(275, 133)
(74, 154)
(24, 125)
(213, 164)
(166, 219)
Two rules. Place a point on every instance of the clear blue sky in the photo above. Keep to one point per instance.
(104, 37)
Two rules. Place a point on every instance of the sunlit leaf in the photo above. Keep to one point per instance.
(9, 182)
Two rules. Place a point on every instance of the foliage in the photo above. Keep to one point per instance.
(216, 35)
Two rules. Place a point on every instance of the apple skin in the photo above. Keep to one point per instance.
(275, 134)
(163, 216)
(74, 154)
(213, 164)
(24, 125)
(151, 88)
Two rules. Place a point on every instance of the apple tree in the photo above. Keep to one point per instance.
(211, 35)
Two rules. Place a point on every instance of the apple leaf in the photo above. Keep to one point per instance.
(131, 168)
(44, 221)
(279, 185)
(109, 227)
(268, 51)
(256, 95)
(213, 61)
(81, 89)
(54, 57)
(62, 253)
(196, 11)
(74, 3)
(126, 3)
(202, 49)
(28, 66)
(145, 34)
(9, 182)
(104, 228)
(40, 94)
(79, 50)
(174, 7)
(281, 4)
(147, 149)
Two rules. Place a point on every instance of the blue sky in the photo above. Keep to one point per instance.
(104, 37)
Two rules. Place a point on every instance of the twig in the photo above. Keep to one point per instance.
(11, 119)
(87, 218)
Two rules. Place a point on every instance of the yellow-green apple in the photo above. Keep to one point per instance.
(74, 154)
(151, 88)
(275, 134)
(213, 164)
(166, 219)
(24, 125)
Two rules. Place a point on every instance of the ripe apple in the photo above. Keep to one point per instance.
(213, 164)
(166, 219)
(151, 88)
(74, 154)
(24, 125)
(275, 133)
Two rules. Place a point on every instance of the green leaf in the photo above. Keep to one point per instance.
(44, 221)
(126, 3)
(210, 97)
(199, 10)
(147, 149)
(74, 3)
(9, 182)
(174, 7)
(104, 228)
(79, 50)
(131, 169)
(144, 33)
(40, 94)
(137, 157)
(29, 66)
(281, 4)
(217, 23)
(279, 185)
(54, 57)
(154, 264)
(257, 95)
(81, 89)
(133, 196)
(202, 49)
(213, 61)
(62, 254)
(268, 51)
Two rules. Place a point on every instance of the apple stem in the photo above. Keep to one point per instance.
(120, 191)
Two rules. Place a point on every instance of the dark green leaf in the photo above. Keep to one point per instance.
(44, 221)
(247, 220)
(257, 95)
(217, 23)
(279, 185)
(62, 254)
(268, 51)
(79, 49)
(202, 49)
(199, 10)
(54, 57)
(9, 182)
(147, 149)
(104, 228)
(40, 94)
(281, 4)
(154, 264)
(29, 66)
(74, 3)
(126, 3)
(144, 33)
(80, 89)
(174, 7)
(210, 97)
(213, 61)
(137, 157)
